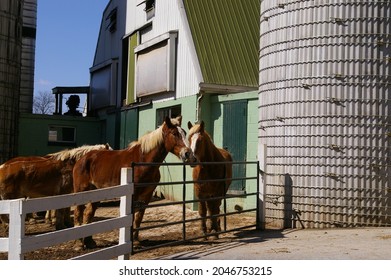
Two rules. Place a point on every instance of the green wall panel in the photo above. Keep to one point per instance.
(34, 129)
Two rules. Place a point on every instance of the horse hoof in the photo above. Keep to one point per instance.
(136, 242)
(90, 244)
(60, 227)
(214, 235)
(78, 246)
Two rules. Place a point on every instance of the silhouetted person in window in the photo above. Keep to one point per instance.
(72, 103)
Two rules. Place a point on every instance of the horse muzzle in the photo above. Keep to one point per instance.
(187, 156)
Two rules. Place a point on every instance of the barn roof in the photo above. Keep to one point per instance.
(226, 38)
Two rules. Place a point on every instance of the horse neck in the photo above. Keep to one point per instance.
(158, 154)
(209, 151)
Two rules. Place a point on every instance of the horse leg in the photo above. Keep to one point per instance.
(214, 209)
(143, 200)
(138, 217)
(4, 222)
(89, 213)
(78, 215)
(78, 221)
(59, 218)
(48, 217)
(202, 211)
(67, 217)
(62, 218)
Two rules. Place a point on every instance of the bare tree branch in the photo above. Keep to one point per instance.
(44, 103)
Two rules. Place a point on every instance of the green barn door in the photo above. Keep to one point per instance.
(129, 127)
(235, 139)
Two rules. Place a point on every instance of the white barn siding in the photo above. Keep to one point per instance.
(168, 18)
(106, 71)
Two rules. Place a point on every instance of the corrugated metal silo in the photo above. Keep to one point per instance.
(10, 64)
(324, 112)
(28, 56)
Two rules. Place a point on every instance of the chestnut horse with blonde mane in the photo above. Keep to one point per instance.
(35, 176)
(205, 151)
(101, 169)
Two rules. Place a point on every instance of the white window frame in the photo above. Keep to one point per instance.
(55, 135)
(170, 39)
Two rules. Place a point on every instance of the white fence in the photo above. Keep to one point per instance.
(17, 244)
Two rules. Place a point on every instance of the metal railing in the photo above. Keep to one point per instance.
(184, 184)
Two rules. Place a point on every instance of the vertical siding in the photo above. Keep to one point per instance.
(225, 34)
(28, 56)
(168, 17)
(10, 64)
(324, 112)
(107, 64)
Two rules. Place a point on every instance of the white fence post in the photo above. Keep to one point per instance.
(16, 230)
(126, 209)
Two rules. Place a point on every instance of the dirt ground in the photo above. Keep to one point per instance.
(148, 238)
(318, 244)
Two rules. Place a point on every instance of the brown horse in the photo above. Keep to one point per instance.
(35, 176)
(205, 151)
(102, 169)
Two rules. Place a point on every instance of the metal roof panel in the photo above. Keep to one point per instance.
(226, 38)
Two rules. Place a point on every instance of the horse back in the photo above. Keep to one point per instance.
(30, 178)
(100, 169)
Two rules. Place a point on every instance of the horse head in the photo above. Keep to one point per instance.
(175, 139)
(197, 135)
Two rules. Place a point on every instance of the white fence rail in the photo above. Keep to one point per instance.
(17, 244)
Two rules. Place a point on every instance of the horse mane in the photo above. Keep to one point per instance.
(149, 141)
(76, 153)
(196, 129)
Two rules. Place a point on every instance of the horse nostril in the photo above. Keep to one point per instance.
(187, 154)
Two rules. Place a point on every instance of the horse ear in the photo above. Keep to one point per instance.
(179, 119)
(170, 123)
(202, 126)
(167, 120)
(189, 125)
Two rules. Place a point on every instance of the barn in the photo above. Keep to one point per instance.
(302, 87)
(158, 58)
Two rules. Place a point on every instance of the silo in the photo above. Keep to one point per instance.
(10, 62)
(324, 113)
(29, 31)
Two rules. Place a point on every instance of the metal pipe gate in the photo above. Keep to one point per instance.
(184, 184)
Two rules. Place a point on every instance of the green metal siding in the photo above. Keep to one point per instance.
(33, 133)
(235, 138)
(133, 41)
(129, 127)
(216, 118)
(226, 38)
(147, 119)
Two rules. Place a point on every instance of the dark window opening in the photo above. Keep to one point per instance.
(64, 135)
(150, 8)
(171, 112)
(112, 21)
(29, 32)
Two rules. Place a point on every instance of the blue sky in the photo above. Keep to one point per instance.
(67, 33)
